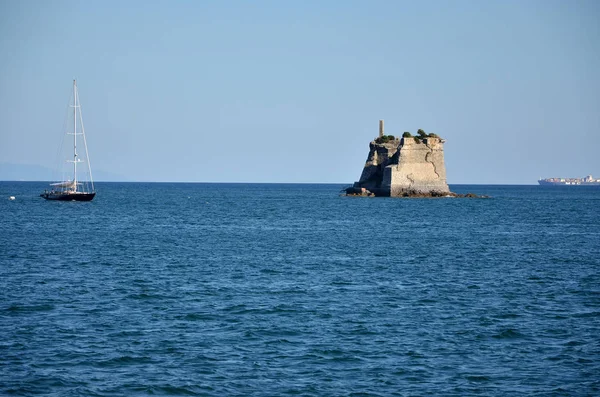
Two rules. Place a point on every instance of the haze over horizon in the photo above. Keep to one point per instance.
(292, 92)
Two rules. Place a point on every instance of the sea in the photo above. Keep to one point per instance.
(196, 289)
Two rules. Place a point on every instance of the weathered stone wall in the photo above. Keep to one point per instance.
(420, 168)
(380, 155)
(405, 167)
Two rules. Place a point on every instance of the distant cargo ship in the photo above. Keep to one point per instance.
(587, 181)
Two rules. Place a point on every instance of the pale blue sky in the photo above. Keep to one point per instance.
(292, 91)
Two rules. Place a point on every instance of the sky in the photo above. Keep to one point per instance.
(292, 91)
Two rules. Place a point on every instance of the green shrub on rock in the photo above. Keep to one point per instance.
(385, 139)
(421, 134)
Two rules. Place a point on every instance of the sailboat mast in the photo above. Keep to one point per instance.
(75, 134)
(67, 190)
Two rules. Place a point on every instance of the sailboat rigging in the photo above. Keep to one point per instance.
(76, 189)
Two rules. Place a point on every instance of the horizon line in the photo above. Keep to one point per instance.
(268, 183)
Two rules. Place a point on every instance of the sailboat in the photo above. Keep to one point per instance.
(76, 189)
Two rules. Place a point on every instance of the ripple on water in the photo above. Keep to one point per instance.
(20, 308)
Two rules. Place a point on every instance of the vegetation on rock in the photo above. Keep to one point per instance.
(421, 134)
(385, 139)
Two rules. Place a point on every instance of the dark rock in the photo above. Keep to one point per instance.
(362, 192)
(358, 191)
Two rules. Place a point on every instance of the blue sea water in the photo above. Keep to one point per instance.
(274, 290)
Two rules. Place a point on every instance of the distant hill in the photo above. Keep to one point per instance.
(33, 172)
